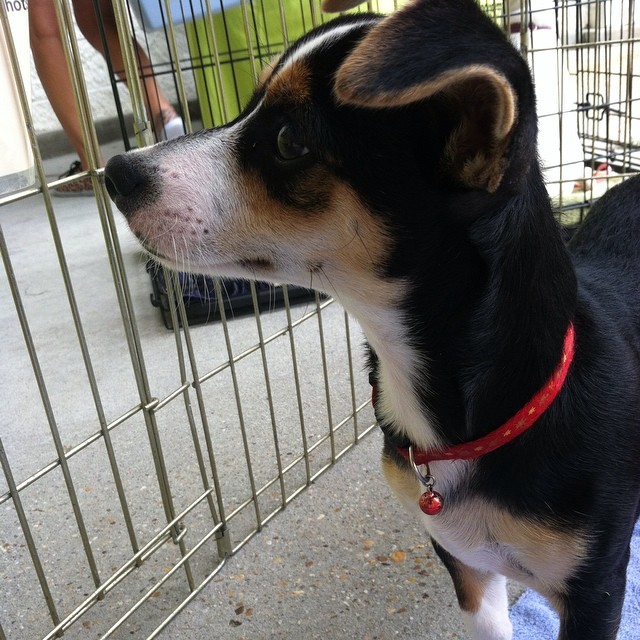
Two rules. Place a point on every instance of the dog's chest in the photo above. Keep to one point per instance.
(487, 537)
(477, 540)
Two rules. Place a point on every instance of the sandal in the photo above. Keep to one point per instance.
(80, 187)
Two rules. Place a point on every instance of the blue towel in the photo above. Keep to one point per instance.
(534, 619)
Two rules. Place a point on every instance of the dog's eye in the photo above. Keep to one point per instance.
(288, 147)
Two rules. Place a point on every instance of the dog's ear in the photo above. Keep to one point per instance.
(452, 50)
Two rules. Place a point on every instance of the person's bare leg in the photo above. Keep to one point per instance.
(156, 103)
(51, 65)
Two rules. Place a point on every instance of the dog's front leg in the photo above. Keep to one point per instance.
(482, 597)
(592, 606)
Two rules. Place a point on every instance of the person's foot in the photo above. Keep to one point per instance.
(80, 187)
(169, 125)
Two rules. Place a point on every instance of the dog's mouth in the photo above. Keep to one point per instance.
(251, 266)
(152, 251)
(257, 264)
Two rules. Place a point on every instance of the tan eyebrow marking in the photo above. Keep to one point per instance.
(292, 84)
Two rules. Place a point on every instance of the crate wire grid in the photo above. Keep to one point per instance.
(169, 546)
(609, 127)
(582, 54)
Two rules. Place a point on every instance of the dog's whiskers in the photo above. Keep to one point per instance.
(169, 230)
(225, 292)
(323, 276)
(362, 242)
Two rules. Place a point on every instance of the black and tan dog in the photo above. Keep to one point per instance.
(391, 162)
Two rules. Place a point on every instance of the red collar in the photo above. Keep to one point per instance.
(516, 425)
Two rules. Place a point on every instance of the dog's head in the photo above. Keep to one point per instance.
(366, 147)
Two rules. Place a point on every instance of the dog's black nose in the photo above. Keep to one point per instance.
(125, 178)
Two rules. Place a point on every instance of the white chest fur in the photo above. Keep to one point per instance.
(490, 539)
(399, 370)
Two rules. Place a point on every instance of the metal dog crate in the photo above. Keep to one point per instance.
(136, 460)
(584, 61)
